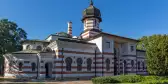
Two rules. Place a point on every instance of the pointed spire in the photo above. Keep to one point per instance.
(91, 2)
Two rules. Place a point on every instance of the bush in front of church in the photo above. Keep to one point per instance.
(131, 79)
(118, 79)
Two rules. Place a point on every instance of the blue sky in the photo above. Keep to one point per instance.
(129, 18)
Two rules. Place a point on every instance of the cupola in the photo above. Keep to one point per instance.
(91, 12)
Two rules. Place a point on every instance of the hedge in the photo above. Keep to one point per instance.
(130, 79)
(155, 82)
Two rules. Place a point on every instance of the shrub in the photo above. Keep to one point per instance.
(102, 80)
(155, 82)
(117, 79)
(131, 79)
(128, 78)
(149, 78)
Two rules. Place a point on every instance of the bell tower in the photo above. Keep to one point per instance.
(91, 20)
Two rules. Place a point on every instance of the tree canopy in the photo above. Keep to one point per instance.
(10, 36)
(156, 47)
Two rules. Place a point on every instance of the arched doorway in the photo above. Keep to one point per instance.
(48, 69)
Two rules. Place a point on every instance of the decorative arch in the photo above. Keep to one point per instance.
(79, 64)
(107, 64)
(89, 64)
(33, 66)
(20, 66)
(68, 62)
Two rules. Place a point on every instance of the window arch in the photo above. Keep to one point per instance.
(20, 66)
(79, 64)
(38, 48)
(107, 64)
(28, 47)
(33, 66)
(89, 63)
(68, 62)
(139, 65)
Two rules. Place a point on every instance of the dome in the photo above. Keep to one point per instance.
(92, 11)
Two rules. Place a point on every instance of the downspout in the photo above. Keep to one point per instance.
(102, 63)
(38, 64)
(62, 53)
(95, 62)
(136, 62)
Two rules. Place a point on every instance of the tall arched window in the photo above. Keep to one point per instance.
(115, 52)
(20, 66)
(132, 64)
(33, 66)
(143, 65)
(107, 64)
(79, 64)
(125, 66)
(28, 47)
(89, 63)
(38, 48)
(139, 65)
(68, 62)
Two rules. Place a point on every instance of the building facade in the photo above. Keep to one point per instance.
(94, 53)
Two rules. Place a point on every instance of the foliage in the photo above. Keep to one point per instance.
(130, 79)
(156, 47)
(10, 36)
(155, 82)
(118, 79)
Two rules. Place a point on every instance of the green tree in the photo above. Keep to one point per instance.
(10, 37)
(156, 47)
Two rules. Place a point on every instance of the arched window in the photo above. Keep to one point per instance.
(68, 62)
(79, 64)
(89, 63)
(107, 64)
(20, 66)
(143, 65)
(115, 52)
(139, 66)
(28, 47)
(33, 66)
(95, 22)
(132, 64)
(38, 48)
(125, 66)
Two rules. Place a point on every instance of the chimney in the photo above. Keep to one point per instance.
(69, 28)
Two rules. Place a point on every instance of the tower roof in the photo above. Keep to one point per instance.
(91, 12)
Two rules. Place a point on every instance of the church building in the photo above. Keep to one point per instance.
(93, 53)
